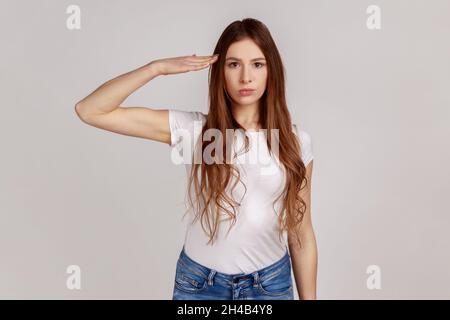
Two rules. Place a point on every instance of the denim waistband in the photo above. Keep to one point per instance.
(257, 276)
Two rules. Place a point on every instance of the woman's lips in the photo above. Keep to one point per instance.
(246, 92)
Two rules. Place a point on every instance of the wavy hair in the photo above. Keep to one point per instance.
(214, 179)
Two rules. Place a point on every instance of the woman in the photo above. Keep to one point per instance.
(249, 221)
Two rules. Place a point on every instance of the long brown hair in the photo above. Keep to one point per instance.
(210, 187)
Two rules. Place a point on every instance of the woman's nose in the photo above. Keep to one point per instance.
(245, 76)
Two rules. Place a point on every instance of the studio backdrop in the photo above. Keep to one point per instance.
(89, 214)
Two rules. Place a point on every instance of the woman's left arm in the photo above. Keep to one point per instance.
(304, 259)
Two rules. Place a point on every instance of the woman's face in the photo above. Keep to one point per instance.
(245, 67)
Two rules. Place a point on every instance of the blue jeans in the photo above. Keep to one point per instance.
(194, 281)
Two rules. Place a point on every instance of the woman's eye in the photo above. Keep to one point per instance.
(257, 63)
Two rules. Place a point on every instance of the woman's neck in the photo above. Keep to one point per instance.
(247, 116)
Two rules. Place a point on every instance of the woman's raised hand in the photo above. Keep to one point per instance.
(183, 64)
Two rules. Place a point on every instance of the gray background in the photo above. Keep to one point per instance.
(375, 102)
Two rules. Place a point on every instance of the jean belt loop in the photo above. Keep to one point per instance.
(255, 279)
(211, 276)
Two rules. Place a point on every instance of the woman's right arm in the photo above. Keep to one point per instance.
(102, 108)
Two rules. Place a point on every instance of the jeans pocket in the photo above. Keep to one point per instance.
(278, 284)
(190, 282)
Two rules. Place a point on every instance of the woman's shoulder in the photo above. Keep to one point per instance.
(186, 115)
(301, 133)
(185, 119)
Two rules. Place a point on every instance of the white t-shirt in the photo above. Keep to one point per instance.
(253, 241)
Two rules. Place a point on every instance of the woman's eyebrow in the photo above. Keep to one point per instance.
(233, 58)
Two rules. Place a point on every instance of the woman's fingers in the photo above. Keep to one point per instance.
(199, 65)
(203, 62)
(193, 67)
(201, 59)
(198, 62)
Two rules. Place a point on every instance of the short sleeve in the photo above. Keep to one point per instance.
(183, 123)
(305, 145)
